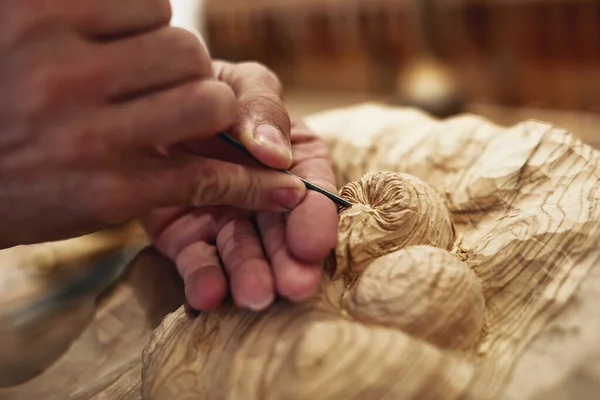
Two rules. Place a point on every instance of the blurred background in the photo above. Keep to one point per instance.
(507, 60)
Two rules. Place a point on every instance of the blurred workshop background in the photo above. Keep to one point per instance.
(507, 60)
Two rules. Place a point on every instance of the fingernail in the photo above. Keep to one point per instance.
(288, 198)
(272, 137)
(259, 305)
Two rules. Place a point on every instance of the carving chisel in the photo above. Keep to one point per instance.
(335, 198)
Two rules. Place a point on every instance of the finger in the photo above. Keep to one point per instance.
(200, 268)
(109, 18)
(241, 252)
(312, 226)
(263, 123)
(188, 237)
(152, 60)
(294, 279)
(190, 111)
(196, 181)
(172, 229)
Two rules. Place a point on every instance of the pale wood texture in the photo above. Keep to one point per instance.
(583, 125)
(48, 294)
(104, 362)
(524, 204)
(517, 218)
(390, 212)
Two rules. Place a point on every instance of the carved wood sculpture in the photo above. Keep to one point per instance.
(465, 242)
(48, 294)
(445, 270)
(105, 359)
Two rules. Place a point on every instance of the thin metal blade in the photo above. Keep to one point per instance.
(332, 196)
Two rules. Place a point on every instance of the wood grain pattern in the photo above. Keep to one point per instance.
(391, 212)
(48, 293)
(103, 361)
(463, 297)
(424, 291)
(524, 205)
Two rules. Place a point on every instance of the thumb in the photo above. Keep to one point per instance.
(197, 181)
(263, 123)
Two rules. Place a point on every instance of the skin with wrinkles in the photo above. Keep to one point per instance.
(256, 255)
(109, 113)
(107, 107)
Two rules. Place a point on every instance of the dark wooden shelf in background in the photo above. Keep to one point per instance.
(544, 53)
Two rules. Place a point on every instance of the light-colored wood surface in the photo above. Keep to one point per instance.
(48, 294)
(525, 206)
(103, 361)
(525, 211)
(584, 125)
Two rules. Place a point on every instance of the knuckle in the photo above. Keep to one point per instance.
(266, 107)
(238, 186)
(211, 105)
(234, 235)
(264, 102)
(263, 74)
(252, 192)
(217, 106)
(271, 102)
(244, 190)
(227, 246)
(206, 184)
(223, 184)
(228, 241)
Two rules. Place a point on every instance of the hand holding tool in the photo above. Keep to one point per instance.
(311, 186)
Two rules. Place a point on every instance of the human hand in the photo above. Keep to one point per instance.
(95, 95)
(261, 254)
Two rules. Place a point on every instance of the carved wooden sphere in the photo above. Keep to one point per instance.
(424, 291)
(391, 211)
